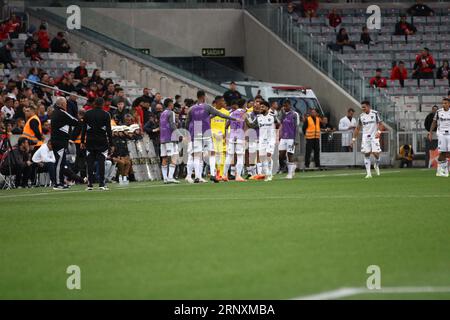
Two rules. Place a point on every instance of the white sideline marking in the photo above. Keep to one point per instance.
(293, 197)
(54, 192)
(347, 292)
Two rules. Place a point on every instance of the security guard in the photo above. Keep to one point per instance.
(311, 129)
(33, 128)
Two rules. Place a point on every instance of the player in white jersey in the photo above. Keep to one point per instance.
(267, 139)
(264, 123)
(442, 122)
(371, 125)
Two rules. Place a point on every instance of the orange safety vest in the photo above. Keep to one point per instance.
(77, 140)
(29, 133)
(313, 130)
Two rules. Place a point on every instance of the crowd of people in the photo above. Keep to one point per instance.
(52, 128)
(424, 65)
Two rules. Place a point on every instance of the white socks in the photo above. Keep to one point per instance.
(190, 166)
(228, 160)
(239, 165)
(259, 168)
(270, 167)
(291, 168)
(164, 172)
(367, 164)
(212, 165)
(251, 170)
(171, 171)
(264, 168)
(198, 167)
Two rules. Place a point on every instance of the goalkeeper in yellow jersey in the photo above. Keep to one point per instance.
(219, 135)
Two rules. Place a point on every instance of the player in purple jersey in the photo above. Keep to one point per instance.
(198, 123)
(169, 142)
(290, 121)
(236, 140)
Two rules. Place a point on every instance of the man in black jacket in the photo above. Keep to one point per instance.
(429, 145)
(18, 162)
(96, 137)
(6, 57)
(59, 44)
(61, 121)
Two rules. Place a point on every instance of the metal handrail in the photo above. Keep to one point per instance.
(55, 88)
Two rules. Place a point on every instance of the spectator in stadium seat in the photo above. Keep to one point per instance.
(378, 81)
(120, 112)
(44, 39)
(42, 114)
(334, 19)
(18, 162)
(406, 156)
(82, 88)
(404, 28)
(81, 71)
(291, 11)
(120, 95)
(231, 94)
(347, 124)
(33, 75)
(420, 10)
(59, 43)
(365, 36)
(443, 71)
(109, 90)
(400, 73)
(4, 35)
(8, 110)
(30, 40)
(177, 104)
(5, 56)
(310, 8)
(13, 26)
(96, 76)
(72, 105)
(424, 65)
(430, 145)
(18, 126)
(33, 53)
(342, 40)
(66, 83)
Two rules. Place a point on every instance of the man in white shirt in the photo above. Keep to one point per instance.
(371, 125)
(8, 109)
(347, 124)
(441, 121)
(44, 158)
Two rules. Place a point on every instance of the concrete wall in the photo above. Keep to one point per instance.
(143, 73)
(169, 32)
(269, 59)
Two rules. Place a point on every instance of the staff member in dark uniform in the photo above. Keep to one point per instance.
(430, 145)
(60, 122)
(96, 137)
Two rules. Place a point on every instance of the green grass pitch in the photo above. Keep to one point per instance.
(255, 240)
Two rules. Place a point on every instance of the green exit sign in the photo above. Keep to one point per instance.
(213, 52)
(145, 51)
